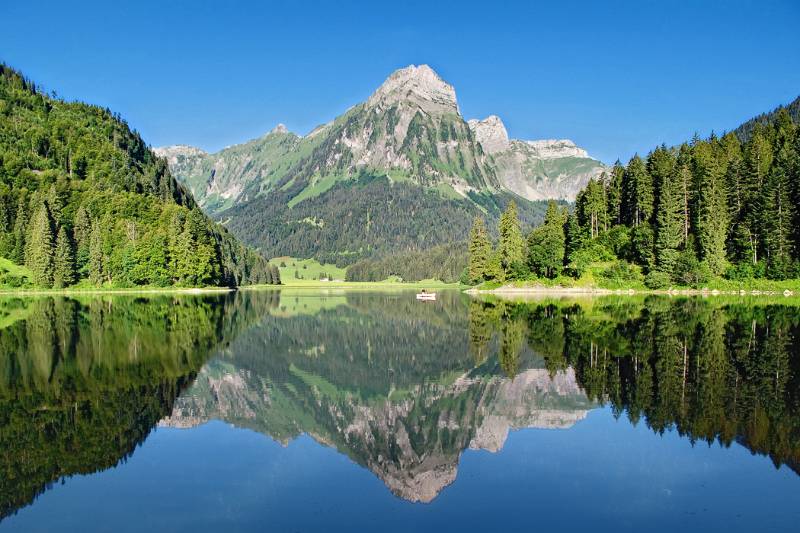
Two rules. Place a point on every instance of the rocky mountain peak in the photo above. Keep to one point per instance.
(178, 150)
(556, 148)
(279, 129)
(419, 85)
(491, 134)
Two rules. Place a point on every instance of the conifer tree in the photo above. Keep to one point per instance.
(637, 193)
(83, 230)
(39, 257)
(712, 211)
(591, 207)
(614, 193)
(64, 261)
(669, 230)
(546, 243)
(480, 251)
(511, 247)
(20, 231)
(96, 256)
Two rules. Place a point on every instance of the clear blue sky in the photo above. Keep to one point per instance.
(616, 77)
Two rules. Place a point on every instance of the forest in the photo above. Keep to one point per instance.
(717, 208)
(366, 217)
(84, 201)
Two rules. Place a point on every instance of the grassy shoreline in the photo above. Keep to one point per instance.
(301, 284)
(724, 287)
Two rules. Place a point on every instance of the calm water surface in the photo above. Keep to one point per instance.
(355, 411)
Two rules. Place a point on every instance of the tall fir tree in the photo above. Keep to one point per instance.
(669, 226)
(480, 251)
(511, 245)
(40, 248)
(96, 264)
(82, 228)
(546, 243)
(614, 193)
(64, 261)
(637, 193)
(712, 210)
(20, 231)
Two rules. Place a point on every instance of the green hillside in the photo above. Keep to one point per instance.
(84, 200)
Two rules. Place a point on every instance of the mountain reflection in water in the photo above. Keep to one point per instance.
(400, 388)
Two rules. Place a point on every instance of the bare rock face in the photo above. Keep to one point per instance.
(279, 129)
(416, 86)
(554, 149)
(536, 170)
(491, 133)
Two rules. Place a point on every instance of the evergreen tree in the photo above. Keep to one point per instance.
(96, 256)
(511, 247)
(637, 193)
(82, 229)
(669, 230)
(546, 243)
(480, 251)
(20, 231)
(64, 261)
(779, 209)
(614, 193)
(756, 165)
(39, 257)
(591, 208)
(712, 212)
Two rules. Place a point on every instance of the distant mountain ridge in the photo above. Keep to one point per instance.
(401, 171)
(410, 127)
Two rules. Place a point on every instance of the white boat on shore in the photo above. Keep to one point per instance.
(427, 296)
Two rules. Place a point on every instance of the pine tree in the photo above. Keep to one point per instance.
(39, 257)
(779, 209)
(712, 213)
(546, 243)
(20, 231)
(614, 193)
(511, 247)
(82, 230)
(480, 251)
(96, 256)
(756, 165)
(591, 208)
(64, 261)
(637, 193)
(669, 227)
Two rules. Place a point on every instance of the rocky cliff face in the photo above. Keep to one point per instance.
(536, 170)
(410, 129)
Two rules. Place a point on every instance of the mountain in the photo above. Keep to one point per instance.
(84, 200)
(400, 172)
(536, 170)
(744, 131)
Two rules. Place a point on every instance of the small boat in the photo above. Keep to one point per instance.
(427, 296)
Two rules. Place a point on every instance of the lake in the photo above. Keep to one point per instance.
(364, 411)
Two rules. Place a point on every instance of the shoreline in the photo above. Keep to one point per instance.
(356, 285)
(510, 290)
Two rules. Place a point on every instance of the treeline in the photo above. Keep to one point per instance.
(445, 262)
(709, 208)
(84, 200)
(712, 371)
